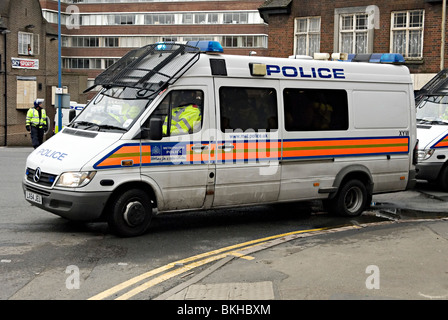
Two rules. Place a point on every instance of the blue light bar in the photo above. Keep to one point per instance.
(163, 46)
(392, 58)
(207, 46)
(375, 58)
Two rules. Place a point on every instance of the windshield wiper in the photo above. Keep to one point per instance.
(88, 125)
(107, 127)
(83, 123)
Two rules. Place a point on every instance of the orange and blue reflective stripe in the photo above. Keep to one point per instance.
(442, 143)
(125, 152)
(312, 148)
(248, 151)
(181, 153)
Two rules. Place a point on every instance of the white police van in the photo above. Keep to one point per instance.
(432, 130)
(267, 130)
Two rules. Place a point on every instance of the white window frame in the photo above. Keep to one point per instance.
(30, 48)
(308, 34)
(353, 31)
(407, 29)
(372, 20)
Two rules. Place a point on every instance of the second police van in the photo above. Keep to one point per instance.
(432, 130)
(67, 114)
(185, 127)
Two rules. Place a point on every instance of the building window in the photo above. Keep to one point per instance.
(354, 29)
(230, 41)
(28, 43)
(111, 42)
(85, 42)
(169, 39)
(97, 19)
(407, 33)
(212, 18)
(26, 93)
(109, 62)
(235, 17)
(244, 41)
(200, 18)
(307, 35)
(161, 18)
(82, 63)
(187, 18)
(353, 33)
(124, 19)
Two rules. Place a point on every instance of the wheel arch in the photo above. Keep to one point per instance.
(359, 172)
(441, 175)
(141, 185)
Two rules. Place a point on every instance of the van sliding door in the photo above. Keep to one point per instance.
(248, 144)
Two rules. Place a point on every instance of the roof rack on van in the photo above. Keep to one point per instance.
(150, 68)
(438, 85)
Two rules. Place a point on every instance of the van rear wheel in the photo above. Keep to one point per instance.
(350, 200)
(130, 214)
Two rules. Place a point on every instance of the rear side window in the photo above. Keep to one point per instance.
(248, 109)
(315, 109)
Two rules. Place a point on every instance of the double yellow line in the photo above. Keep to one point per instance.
(186, 265)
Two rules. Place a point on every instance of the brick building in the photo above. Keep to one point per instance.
(28, 68)
(96, 33)
(410, 27)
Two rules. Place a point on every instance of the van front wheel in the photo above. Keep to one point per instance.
(350, 201)
(130, 213)
(443, 178)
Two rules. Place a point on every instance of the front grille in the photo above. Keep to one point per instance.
(38, 190)
(46, 179)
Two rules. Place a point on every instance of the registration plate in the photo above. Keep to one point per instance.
(33, 197)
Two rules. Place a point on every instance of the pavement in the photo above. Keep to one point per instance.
(403, 257)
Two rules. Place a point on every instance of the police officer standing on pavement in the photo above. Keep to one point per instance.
(36, 123)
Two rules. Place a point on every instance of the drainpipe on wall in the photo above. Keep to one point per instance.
(5, 32)
(442, 45)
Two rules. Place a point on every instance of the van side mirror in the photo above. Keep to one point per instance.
(71, 115)
(155, 129)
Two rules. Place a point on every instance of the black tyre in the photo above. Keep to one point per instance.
(350, 201)
(443, 179)
(130, 213)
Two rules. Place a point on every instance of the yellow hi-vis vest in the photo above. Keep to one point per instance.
(184, 120)
(32, 118)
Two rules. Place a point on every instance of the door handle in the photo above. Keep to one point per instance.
(199, 147)
(226, 147)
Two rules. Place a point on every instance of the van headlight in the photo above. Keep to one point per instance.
(425, 154)
(75, 179)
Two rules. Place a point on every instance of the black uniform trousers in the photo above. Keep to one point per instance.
(37, 136)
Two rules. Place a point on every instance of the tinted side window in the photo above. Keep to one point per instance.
(181, 112)
(248, 108)
(315, 109)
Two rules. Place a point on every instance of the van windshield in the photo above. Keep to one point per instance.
(113, 109)
(433, 110)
